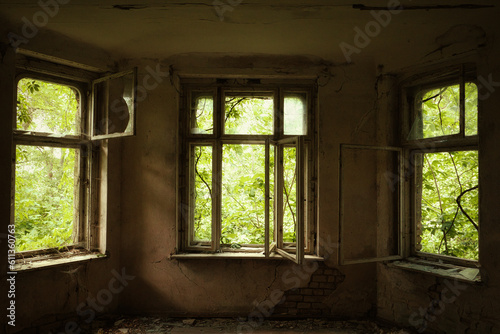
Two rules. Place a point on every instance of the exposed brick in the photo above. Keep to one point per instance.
(289, 304)
(327, 285)
(329, 272)
(303, 305)
(318, 305)
(307, 292)
(311, 312)
(318, 292)
(313, 285)
(295, 298)
(312, 299)
(328, 291)
(292, 311)
(331, 279)
(320, 278)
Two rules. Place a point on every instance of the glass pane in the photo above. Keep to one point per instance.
(121, 104)
(440, 113)
(272, 220)
(202, 113)
(470, 109)
(243, 191)
(46, 200)
(202, 193)
(289, 194)
(47, 107)
(249, 114)
(295, 122)
(446, 179)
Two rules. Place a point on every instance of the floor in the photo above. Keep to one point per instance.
(140, 325)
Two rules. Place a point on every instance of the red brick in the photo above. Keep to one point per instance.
(307, 292)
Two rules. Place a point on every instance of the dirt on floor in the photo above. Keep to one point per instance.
(140, 325)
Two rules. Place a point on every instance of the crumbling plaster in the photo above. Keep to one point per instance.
(287, 40)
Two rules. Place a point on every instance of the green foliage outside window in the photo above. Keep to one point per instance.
(46, 182)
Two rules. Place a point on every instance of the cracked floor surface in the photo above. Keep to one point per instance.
(139, 325)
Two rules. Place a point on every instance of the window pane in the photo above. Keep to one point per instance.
(470, 109)
(439, 113)
(243, 191)
(289, 194)
(121, 104)
(295, 110)
(47, 107)
(202, 193)
(202, 113)
(46, 200)
(445, 179)
(249, 114)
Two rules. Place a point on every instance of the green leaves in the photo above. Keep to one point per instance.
(445, 229)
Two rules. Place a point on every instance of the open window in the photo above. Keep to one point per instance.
(371, 204)
(113, 105)
(245, 173)
(57, 163)
(419, 201)
(290, 201)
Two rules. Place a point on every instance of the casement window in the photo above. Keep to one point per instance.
(247, 168)
(61, 120)
(420, 199)
(442, 146)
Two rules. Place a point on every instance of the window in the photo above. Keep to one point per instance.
(443, 150)
(419, 199)
(246, 169)
(56, 162)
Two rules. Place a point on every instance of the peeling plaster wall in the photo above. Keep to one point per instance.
(352, 109)
(230, 287)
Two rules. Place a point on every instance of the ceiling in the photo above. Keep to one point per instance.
(159, 29)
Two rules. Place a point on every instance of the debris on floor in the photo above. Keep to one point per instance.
(140, 325)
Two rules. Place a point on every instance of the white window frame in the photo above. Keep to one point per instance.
(273, 245)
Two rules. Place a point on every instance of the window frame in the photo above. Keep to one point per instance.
(220, 88)
(405, 177)
(91, 167)
(447, 76)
